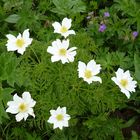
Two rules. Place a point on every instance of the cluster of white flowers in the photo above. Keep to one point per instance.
(60, 51)
(23, 107)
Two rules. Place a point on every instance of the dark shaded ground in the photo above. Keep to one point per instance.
(126, 115)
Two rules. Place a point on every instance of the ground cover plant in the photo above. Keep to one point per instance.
(69, 69)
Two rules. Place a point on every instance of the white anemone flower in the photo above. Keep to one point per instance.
(125, 82)
(23, 107)
(88, 72)
(63, 28)
(19, 43)
(59, 118)
(60, 51)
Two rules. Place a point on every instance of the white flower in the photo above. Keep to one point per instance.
(60, 51)
(23, 107)
(59, 118)
(88, 72)
(64, 28)
(18, 43)
(125, 82)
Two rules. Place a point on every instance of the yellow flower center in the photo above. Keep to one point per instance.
(63, 29)
(124, 82)
(20, 42)
(62, 52)
(88, 73)
(59, 117)
(22, 107)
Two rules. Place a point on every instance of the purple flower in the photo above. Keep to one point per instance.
(106, 14)
(102, 27)
(135, 34)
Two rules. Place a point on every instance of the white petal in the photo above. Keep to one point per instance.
(19, 117)
(51, 120)
(12, 110)
(31, 112)
(57, 27)
(58, 110)
(72, 54)
(72, 49)
(32, 103)
(11, 103)
(55, 58)
(52, 50)
(58, 43)
(67, 117)
(115, 80)
(11, 47)
(81, 68)
(28, 42)
(65, 34)
(17, 99)
(63, 110)
(11, 37)
(131, 86)
(65, 123)
(54, 43)
(96, 78)
(55, 126)
(25, 116)
(95, 68)
(119, 74)
(89, 81)
(65, 43)
(127, 73)
(26, 96)
(71, 58)
(21, 50)
(60, 126)
(53, 112)
(126, 92)
(70, 32)
(91, 64)
(19, 36)
(64, 60)
(26, 34)
(66, 23)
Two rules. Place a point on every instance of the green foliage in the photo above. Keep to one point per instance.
(12, 18)
(93, 108)
(137, 66)
(66, 7)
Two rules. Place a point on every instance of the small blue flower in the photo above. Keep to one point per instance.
(106, 14)
(135, 34)
(102, 28)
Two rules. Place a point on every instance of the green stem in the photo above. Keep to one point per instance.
(35, 55)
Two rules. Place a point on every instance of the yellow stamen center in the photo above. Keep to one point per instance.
(88, 73)
(59, 117)
(124, 82)
(20, 42)
(22, 107)
(62, 52)
(63, 29)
